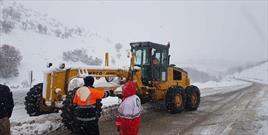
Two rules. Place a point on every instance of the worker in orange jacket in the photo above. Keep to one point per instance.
(88, 106)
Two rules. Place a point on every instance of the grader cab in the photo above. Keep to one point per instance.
(156, 78)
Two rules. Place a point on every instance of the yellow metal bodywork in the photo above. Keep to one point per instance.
(159, 89)
(59, 80)
(106, 59)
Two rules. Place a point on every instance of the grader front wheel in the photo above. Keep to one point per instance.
(175, 100)
(34, 103)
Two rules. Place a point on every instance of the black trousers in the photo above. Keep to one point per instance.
(89, 128)
(85, 127)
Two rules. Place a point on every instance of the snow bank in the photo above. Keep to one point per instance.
(23, 124)
(226, 85)
(256, 74)
(223, 83)
(36, 125)
(262, 111)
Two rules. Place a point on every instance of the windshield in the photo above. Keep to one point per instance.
(138, 57)
(141, 57)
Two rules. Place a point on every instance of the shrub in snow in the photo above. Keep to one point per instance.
(6, 26)
(10, 59)
(113, 61)
(200, 76)
(118, 47)
(118, 55)
(24, 25)
(66, 34)
(42, 29)
(11, 13)
(82, 56)
(58, 33)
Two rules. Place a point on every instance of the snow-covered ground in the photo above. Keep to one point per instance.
(255, 74)
(23, 124)
(262, 111)
(223, 86)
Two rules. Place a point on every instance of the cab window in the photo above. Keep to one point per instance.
(141, 57)
(176, 75)
(138, 54)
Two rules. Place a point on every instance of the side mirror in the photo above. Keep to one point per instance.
(49, 65)
(62, 66)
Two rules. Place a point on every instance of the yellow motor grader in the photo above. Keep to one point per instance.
(150, 68)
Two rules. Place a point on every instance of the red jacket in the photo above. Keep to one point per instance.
(129, 119)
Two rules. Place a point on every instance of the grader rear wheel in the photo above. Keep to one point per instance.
(178, 100)
(193, 98)
(175, 99)
(34, 103)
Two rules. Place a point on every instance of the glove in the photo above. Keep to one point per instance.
(119, 96)
(112, 93)
(109, 93)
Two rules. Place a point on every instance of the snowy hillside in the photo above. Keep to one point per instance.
(255, 74)
(39, 48)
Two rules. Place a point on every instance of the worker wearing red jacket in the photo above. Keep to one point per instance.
(129, 112)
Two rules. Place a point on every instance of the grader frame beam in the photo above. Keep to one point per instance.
(58, 81)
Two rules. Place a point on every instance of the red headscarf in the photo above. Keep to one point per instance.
(129, 89)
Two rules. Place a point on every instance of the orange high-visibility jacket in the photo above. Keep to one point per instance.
(91, 99)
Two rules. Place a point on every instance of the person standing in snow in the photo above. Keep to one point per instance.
(6, 108)
(88, 106)
(129, 112)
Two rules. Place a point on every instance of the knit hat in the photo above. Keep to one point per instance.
(88, 81)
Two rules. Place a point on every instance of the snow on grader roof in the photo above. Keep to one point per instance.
(156, 81)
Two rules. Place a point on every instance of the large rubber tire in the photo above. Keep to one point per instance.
(33, 101)
(67, 115)
(175, 99)
(193, 98)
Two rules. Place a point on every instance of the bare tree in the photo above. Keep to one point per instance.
(118, 47)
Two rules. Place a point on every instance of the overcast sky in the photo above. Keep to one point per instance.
(224, 30)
